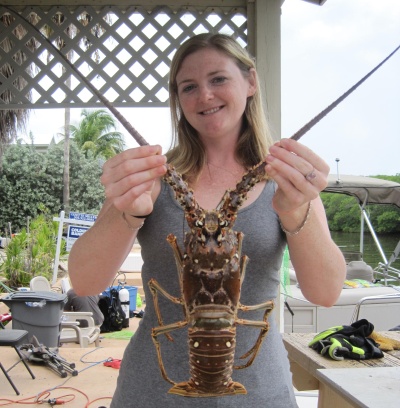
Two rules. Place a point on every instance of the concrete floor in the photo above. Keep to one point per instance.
(95, 383)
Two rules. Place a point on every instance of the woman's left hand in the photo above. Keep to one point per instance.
(300, 174)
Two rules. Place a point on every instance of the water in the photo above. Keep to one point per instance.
(351, 242)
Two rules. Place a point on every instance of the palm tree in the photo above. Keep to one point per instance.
(12, 121)
(97, 133)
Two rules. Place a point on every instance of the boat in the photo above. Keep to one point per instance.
(369, 190)
(368, 293)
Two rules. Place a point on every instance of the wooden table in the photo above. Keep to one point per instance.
(305, 362)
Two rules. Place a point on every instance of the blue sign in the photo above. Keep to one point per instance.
(82, 217)
(74, 232)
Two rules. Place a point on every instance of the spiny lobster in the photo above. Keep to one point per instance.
(211, 271)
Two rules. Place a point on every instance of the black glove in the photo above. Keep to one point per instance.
(352, 342)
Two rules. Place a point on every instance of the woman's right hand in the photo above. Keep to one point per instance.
(128, 178)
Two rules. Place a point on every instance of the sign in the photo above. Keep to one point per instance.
(77, 229)
(82, 217)
(74, 232)
(78, 224)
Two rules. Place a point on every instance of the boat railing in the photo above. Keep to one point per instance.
(387, 298)
(387, 271)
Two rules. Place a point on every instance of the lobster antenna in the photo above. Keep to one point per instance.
(333, 105)
(131, 130)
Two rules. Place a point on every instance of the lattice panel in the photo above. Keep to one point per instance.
(125, 54)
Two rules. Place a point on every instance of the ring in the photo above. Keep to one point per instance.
(311, 175)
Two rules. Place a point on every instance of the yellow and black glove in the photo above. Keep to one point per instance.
(352, 342)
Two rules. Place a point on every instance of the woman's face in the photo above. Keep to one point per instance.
(213, 93)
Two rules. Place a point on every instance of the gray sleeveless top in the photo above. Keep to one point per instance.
(268, 381)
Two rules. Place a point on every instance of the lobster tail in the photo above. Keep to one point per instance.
(211, 361)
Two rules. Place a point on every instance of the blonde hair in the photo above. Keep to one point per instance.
(188, 153)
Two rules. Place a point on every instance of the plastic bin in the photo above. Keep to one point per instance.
(39, 313)
(132, 295)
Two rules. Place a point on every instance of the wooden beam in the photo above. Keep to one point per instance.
(268, 57)
(20, 4)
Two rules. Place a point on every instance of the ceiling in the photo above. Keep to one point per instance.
(18, 4)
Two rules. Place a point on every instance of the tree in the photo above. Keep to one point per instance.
(24, 186)
(96, 134)
(343, 214)
(11, 121)
(385, 218)
(31, 183)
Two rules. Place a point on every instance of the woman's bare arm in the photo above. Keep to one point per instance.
(319, 264)
(132, 184)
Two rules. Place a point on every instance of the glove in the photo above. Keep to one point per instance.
(385, 343)
(341, 342)
(338, 347)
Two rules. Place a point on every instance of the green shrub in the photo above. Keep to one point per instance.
(31, 252)
(32, 182)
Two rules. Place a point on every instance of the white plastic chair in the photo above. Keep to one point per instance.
(40, 284)
(72, 333)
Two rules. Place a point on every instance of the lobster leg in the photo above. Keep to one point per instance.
(171, 239)
(154, 289)
(244, 259)
(268, 306)
(165, 329)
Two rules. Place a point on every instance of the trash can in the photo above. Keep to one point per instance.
(39, 313)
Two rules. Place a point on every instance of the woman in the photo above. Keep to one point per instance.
(220, 132)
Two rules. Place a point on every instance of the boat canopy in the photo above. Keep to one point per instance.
(367, 190)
